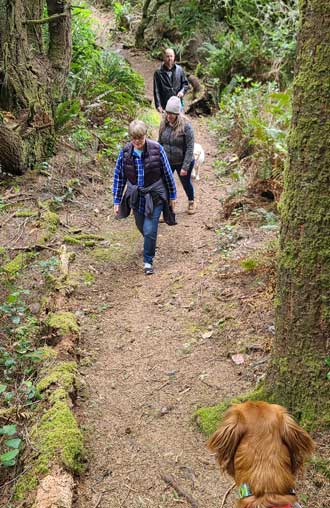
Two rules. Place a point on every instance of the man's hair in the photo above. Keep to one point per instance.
(137, 129)
(169, 49)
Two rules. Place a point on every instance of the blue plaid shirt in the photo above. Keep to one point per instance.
(120, 179)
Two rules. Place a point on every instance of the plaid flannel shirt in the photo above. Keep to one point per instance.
(119, 181)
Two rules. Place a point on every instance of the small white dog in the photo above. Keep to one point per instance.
(199, 156)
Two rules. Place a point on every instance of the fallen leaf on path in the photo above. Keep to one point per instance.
(207, 335)
(238, 359)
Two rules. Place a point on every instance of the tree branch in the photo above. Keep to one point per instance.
(45, 20)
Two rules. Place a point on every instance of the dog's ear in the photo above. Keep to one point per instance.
(298, 442)
(225, 440)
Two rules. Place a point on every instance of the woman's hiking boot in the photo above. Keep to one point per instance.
(191, 207)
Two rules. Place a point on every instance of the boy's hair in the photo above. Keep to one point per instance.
(137, 129)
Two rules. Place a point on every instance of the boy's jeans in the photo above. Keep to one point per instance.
(148, 227)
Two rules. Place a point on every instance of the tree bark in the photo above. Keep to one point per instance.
(149, 11)
(298, 373)
(31, 77)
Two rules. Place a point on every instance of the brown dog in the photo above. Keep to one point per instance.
(262, 448)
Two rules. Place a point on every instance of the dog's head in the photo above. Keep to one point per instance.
(258, 435)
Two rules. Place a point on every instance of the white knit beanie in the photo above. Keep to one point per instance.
(173, 105)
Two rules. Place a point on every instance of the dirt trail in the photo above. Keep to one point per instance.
(150, 369)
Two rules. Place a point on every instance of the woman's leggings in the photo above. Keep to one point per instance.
(185, 180)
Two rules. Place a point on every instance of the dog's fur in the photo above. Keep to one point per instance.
(199, 157)
(261, 445)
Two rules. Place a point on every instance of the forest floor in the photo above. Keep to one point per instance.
(155, 349)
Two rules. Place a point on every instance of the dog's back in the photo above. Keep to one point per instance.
(261, 446)
(199, 156)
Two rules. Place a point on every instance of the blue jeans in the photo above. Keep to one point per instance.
(186, 180)
(148, 227)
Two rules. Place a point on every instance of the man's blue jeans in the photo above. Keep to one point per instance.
(148, 227)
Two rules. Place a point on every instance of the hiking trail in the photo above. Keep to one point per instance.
(160, 351)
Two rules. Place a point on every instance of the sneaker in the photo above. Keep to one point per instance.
(148, 269)
(191, 207)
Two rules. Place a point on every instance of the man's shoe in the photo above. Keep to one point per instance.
(191, 207)
(148, 269)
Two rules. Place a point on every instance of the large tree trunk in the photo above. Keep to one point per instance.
(298, 375)
(32, 77)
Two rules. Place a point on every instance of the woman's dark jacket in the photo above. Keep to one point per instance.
(179, 148)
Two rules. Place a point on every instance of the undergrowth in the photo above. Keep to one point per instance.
(102, 92)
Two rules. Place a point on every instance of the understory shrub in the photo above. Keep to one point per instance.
(254, 118)
(102, 92)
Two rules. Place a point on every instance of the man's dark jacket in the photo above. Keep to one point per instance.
(168, 83)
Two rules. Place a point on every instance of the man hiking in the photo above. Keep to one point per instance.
(169, 81)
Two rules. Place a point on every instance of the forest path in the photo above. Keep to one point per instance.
(159, 352)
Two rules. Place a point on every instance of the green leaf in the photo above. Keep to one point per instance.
(3, 388)
(8, 430)
(9, 396)
(13, 443)
(8, 459)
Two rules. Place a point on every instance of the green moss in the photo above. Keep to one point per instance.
(321, 465)
(52, 221)
(83, 239)
(25, 484)
(122, 246)
(63, 322)
(18, 263)
(58, 440)
(58, 436)
(72, 240)
(72, 183)
(26, 213)
(207, 418)
(89, 278)
(63, 375)
(89, 236)
(249, 264)
(48, 353)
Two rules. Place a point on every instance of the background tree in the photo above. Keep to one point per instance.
(35, 53)
(149, 11)
(299, 372)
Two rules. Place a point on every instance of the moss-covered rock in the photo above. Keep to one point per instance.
(63, 322)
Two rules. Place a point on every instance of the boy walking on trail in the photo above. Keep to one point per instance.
(169, 81)
(144, 173)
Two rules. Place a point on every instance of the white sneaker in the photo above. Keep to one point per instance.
(148, 269)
